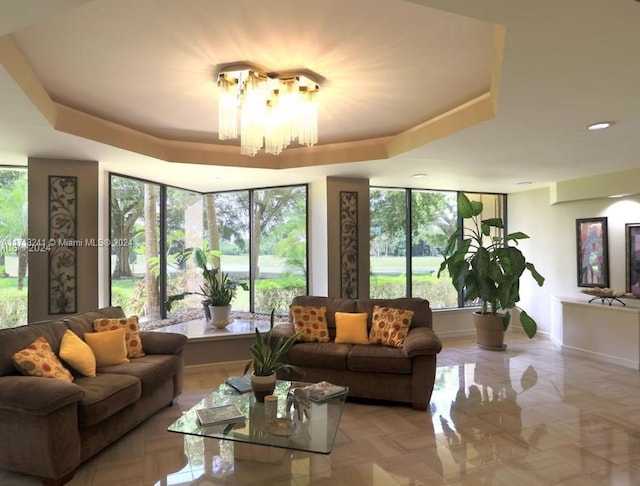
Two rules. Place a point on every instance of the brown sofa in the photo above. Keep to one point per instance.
(371, 371)
(49, 426)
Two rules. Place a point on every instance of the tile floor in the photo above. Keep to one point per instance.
(526, 416)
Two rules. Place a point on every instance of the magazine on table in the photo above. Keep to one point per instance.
(324, 390)
(241, 384)
(224, 414)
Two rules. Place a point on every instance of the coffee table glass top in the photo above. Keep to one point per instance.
(313, 434)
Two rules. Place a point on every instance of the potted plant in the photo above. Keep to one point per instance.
(265, 361)
(217, 288)
(485, 267)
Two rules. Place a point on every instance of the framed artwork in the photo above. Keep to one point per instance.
(63, 224)
(632, 232)
(593, 252)
(349, 244)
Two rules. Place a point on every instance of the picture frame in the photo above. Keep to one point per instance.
(632, 243)
(592, 252)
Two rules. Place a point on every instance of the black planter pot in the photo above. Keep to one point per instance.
(205, 305)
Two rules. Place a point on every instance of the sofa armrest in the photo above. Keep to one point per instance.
(36, 395)
(155, 342)
(284, 330)
(421, 341)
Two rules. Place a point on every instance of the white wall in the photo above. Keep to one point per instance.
(552, 246)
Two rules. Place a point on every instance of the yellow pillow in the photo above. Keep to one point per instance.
(38, 359)
(132, 334)
(351, 327)
(310, 323)
(108, 346)
(77, 354)
(389, 326)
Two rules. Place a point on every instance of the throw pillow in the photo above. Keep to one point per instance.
(77, 354)
(310, 323)
(132, 336)
(38, 359)
(389, 326)
(108, 346)
(351, 327)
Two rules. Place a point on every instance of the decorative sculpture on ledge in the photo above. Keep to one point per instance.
(607, 295)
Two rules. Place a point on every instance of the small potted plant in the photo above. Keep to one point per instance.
(265, 355)
(217, 288)
(486, 268)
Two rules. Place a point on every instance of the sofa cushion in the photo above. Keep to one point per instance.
(378, 359)
(83, 322)
(332, 304)
(108, 346)
(310, 323)
(329, 356)
(132, 332)
(389, 326)
(77, 354)
(14, 339)
(150, 369)
(104, 395)
(422, 316)
(351, 327)
(38, 359)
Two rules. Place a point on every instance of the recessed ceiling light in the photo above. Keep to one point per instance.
(215, 178)
(524, 183)
(599, 125)
(419, 176)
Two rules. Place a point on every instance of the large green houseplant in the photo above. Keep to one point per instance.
(485, 267)
(265, 360)
(217, 288)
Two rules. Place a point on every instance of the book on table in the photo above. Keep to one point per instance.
(221, 415)
(241, 384)
(323, 390)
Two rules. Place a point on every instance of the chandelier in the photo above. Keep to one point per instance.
(270, 110)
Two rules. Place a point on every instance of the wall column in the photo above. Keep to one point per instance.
(348, 237)
(86, 234)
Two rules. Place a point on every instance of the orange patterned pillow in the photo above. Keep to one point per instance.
(389, 326)
(38, 359)
(132, 334)
(310, 323)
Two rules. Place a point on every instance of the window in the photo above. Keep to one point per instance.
(258, 236)
(184, 229)
(13, 247)
(279, 247)
(135, 222)
(388, 243)
(409, 231)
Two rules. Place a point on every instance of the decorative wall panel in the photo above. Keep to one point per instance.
(349, 244)
(62, 244)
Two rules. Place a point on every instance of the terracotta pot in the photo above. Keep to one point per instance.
(220, 315)
(263, 386)
(489, 331)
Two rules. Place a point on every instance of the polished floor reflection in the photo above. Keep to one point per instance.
(526, 416)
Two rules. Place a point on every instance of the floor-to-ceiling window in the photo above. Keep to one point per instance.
(409, 230)
(13, 247)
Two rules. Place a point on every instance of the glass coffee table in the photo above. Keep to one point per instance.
(256, 437)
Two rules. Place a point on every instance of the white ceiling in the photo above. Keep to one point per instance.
(390, 65)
